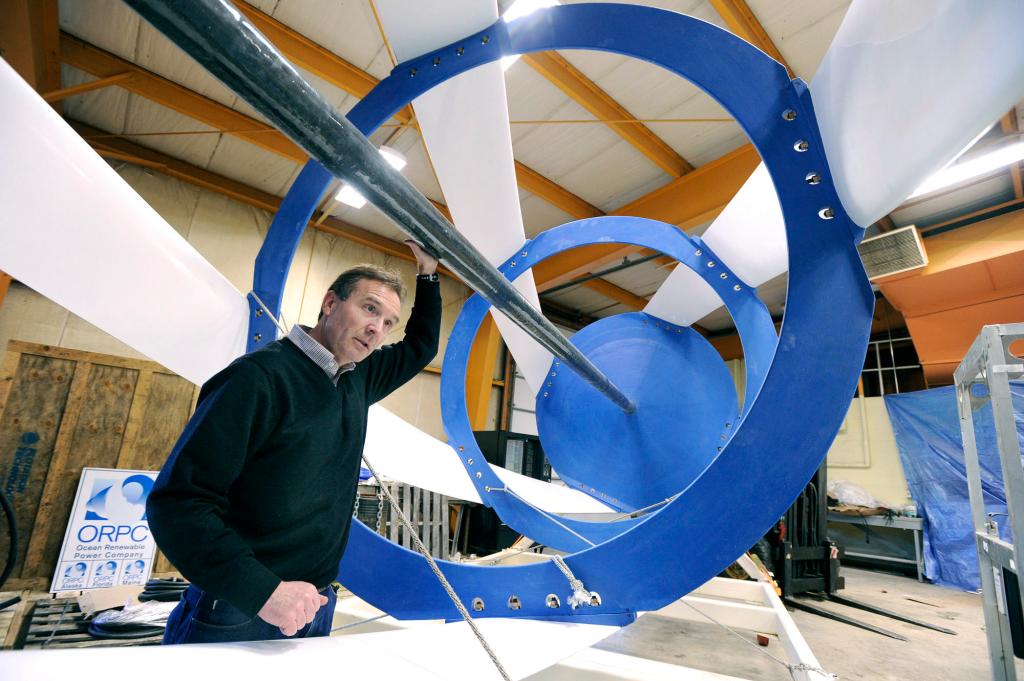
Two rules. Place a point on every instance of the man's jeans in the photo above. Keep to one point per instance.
(200, 618)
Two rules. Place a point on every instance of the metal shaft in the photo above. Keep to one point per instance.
(217, 36)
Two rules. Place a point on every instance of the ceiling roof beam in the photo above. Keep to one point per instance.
(5, 285)
(743, 23)
(147, 84)
(99, 83)
(29, 39)
(315, 58)
(587, 94)
(1008, 124)
(113, 147)
(342, 74)
(691, 200)
(102, 64)
(616, 293)
(542, 187)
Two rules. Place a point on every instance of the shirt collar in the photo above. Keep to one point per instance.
(320, 355)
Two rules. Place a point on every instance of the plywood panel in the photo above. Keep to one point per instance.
(164, 411)
(90, 436)
(36, 396)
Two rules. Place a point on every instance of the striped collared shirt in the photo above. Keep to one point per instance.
(320, 355)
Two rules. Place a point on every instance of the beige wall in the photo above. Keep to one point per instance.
(869, 458)
(229, 235)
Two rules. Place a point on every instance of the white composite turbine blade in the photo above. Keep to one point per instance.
(464, 123)
(904, 88)
(74, 231)
(432, 652)
(400, 451)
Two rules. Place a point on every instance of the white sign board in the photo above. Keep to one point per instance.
(107, 542)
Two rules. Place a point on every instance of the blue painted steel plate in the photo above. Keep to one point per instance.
(685, 407)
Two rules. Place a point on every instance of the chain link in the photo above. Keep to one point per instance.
(380, 505)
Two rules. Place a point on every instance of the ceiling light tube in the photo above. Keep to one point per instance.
(967, 170)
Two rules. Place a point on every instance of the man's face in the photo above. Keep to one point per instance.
(355, 327)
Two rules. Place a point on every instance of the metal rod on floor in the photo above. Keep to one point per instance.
(217, 36)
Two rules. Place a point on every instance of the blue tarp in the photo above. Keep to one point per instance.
(927, 429)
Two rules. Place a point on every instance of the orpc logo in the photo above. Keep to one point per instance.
(119, 506)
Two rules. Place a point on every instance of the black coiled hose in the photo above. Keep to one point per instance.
(12, 531)
(165, 590)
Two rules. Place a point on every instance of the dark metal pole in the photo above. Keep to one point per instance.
(216, 35)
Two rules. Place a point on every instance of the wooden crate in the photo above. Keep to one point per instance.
(63, 410)
(427, 512)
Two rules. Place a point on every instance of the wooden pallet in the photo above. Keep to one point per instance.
(59, 623)
(11, 618)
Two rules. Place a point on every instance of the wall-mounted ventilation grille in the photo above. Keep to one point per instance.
(897, 251)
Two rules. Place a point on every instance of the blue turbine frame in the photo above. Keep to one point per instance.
(819, 352)
(752, 320)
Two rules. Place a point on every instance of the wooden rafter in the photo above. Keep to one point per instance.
(587, 94)
(99, 83)
(342, 74)
(1008, 124)
(616, 293)
(102, 64)
(742, 22)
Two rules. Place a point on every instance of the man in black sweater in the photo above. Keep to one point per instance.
(254, 503)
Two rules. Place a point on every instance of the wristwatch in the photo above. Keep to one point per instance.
(428, 277)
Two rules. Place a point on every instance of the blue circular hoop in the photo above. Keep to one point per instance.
(752, 319)
(815, 366)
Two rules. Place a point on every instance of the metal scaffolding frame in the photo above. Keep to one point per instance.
(984, 377)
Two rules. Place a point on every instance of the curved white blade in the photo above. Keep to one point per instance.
(898, 96)
(74, 231)
(464, 123)
(399, 451)
(906, 86)
(428, 652)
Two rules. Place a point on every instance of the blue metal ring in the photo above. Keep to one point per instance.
(789, 424)
(752, 320)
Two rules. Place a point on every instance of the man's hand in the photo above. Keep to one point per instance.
(292, 606)
(425, 263)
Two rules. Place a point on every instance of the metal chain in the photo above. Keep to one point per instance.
(380, 504)
(440, 575)
(800, 666)
(355, 508)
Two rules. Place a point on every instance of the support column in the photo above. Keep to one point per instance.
(480, 373)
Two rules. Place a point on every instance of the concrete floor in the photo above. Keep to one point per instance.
(852, 654)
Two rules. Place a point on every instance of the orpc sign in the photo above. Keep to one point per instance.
(107, 542)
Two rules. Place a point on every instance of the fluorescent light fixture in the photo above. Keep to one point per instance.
(348, 194)
(394, 157)
(518, 10)
(966, 170)
(350, 197)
